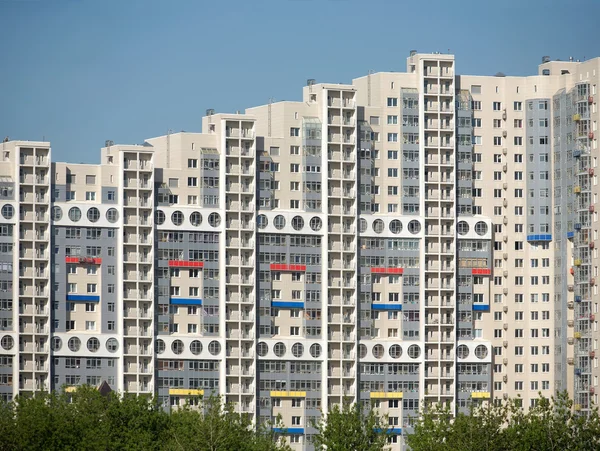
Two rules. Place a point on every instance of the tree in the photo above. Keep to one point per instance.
(217, 427)
(550, 425)
(351, 428)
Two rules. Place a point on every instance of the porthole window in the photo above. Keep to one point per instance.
(56, 343)
(214, 347)
(74, 214)
(414, 226)
(378, 226)
(74, 344)
(481, 352)
(279, 349)
(177, 347)
(262, 349)
(214, 219)
(414, 351)
(112, 345)
(93, 214)
(112, 215)
(195, 347)
(315, 350)
(363, 224)
(378, 351)
(298, 350)
(177, 218)
(8, 342)
(462, 228)
(196, 219)
(362, 351)
(297, 223)
(262, 221)
(8, 211)
(160, 217)
(160, 346)
(481, 228)
(56, 213)
(279, 222)
(316, 223)
(395, 351)
(93, 344)
(462, 352)
(395, 226)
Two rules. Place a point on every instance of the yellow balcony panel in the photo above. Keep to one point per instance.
(577, 262)
(577, 334)
(386, 395)
(577, 406)
(186, 392)
(577, 189)
(70, 389)
(288, 394)
(480, 395)
(577, 117)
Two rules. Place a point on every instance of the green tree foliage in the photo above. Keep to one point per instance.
(86, 420)
(551, 425)
(351, 428)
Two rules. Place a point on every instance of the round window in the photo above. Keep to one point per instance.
(56, 343)
(279, 349)
(298, 350)
(112, 345)
(378, 226)
(160, 217)
(74, 214)
(315, 350)
(395, 351)
(93, 214)
(297, 223)
(177, 347)
(177, 218)
(481, 352)
(93, 344)
(279, 222)
(160, 346)
(7, 342)
(195, 347)
(362, 351)
(8, 211)
(262, 349)
(214, 219)
(112, 215)
(196, 219)
(414, 226)
(214, 347)
(262, 221)
(414, 351)
(363, 224)
(462, 352)
(481, 228)
(378, 351)
(56, 213)
(316, 223)
(395, 226)
(462, 228)
(74, 344)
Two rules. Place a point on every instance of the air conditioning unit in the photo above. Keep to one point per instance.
(570, 304)
(505, 396)
(504, 151)
(570, 340)
(570, 323)
(505, 308)
(505, 291)
(505, 186)
(505, 326)
(505, 220)
(570, 360)
(505, 203)
(505, 343)
(505, 361)
(505, 168)
(505, 378)
(505, 256)
(504, 133)
(505, 273)
(505, 238)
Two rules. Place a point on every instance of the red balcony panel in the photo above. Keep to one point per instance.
(84, 260)
(185, 264)
(387, 270)
(481, 272)
(280, 267)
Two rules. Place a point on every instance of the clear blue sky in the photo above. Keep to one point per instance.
(79, 72)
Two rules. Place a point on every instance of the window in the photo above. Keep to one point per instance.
(497, 106)
(392, 120)
(392, 137)
(294, 131)
(90, 195)
(392, 101)
(192, 181)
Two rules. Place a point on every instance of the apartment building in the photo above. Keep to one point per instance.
(411, 237)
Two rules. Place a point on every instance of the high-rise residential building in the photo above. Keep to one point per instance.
(408, 238)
